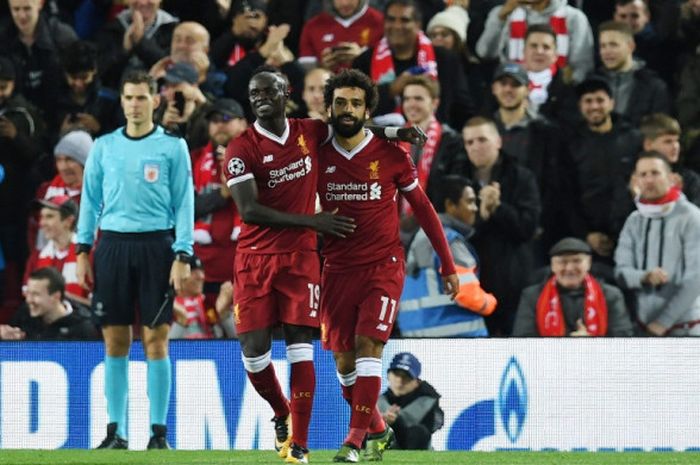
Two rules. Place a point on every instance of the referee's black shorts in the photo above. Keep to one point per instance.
(133, 268)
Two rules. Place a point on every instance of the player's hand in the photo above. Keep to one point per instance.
(179, 272)
(331, 223)
(450, 284)
(83, 271)
(413, 135)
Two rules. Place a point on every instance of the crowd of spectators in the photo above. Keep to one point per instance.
(536, 111)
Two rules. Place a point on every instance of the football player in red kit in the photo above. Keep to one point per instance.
(360, 176)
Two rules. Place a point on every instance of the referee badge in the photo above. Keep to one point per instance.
(151, 172)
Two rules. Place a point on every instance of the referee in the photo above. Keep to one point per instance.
(137, 188)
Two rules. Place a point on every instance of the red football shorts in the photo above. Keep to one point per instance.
(276, 288)
(361, 302)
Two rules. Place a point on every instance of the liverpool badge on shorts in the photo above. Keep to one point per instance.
(151, 172)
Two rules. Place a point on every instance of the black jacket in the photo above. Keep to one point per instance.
(602, 165)
(456, 105)
(504, 241)
(38, 69)
(77, 325)
(449, 159)
(113, 60)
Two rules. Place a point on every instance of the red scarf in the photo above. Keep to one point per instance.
(434, 135)
(518, 28)
(550, 317)
(237, 54)
(660, 207)
(382, 66)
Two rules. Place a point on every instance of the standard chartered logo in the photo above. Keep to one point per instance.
(293, 171)
(375, 191)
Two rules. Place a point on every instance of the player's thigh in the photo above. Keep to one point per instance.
(113, 300)
(378, 310)
(155, 258)
(341, 293)
(256, 305)
(297, 288)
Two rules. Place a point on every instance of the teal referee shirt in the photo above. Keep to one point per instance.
(134, 185)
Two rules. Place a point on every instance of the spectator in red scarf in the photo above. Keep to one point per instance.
(657, 257)
(441, 155)
(571, 302)
(405, 51)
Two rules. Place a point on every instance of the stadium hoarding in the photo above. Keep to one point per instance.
(498, 394)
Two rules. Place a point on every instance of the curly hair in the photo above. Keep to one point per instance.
(351, 78)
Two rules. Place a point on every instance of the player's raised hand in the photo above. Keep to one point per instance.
(451, 285)
(413, 135)
(332, 223)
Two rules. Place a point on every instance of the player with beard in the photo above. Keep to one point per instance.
(272, 174)
(360, 177)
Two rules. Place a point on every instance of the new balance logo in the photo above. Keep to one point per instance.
(268, 158)
(382, 327)
(330, 169)
(375, 191)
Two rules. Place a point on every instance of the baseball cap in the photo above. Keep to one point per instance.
(514, 70)
(407, 362)
(61, 203)
(7, 69)
(181, 72)
(570, 245)
(75, 145)
(593, 84)
(227, 107)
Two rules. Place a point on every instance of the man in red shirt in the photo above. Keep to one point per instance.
(335, 38)
(360, 177)
(272, 173)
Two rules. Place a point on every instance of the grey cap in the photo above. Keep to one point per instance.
(514, 70)
(226, 106)
(570, 245)
(75, 145)
(181, 72)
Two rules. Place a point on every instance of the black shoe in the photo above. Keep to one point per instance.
(112, 441)
(158, 440)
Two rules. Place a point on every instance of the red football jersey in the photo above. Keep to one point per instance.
(285, 172)
(65, 261)
(363, 184)
(324, 30)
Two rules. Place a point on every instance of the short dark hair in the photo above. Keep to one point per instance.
(429, 83)
(351, 78)
(616, 26)
(78, 57)
(140, 77)
(56, 282)
(541, 29)
(262, 69)
(654, 155)
(627, 2)
(480, 121)
(593, 84)
(417, 13)
(450, 188)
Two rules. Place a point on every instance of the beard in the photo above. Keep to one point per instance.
(347, 131)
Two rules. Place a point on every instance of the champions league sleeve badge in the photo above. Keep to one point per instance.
(235, 166)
